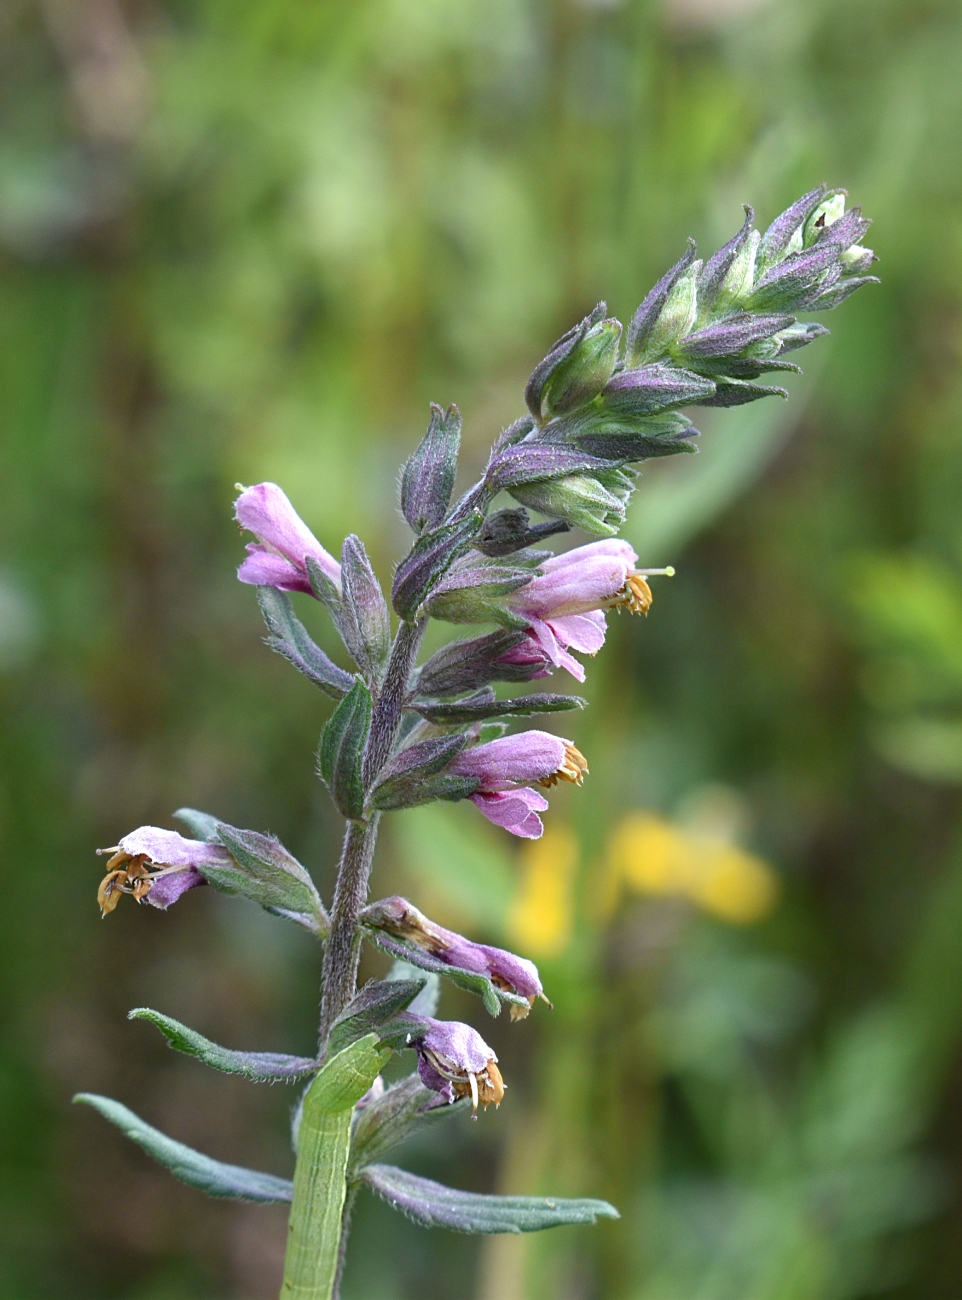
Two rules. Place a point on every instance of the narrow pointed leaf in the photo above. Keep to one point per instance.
(263, 871)
(200, 824)
(290, 638)
(737, 392)
(259, 1067)
(342, 750)
(375, 1004)
(191, 1167)
(522, 707)
(427, 562)
(435, 1206)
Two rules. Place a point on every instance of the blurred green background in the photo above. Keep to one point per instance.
(253, 240)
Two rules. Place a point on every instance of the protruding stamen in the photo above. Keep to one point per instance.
(635, 595)
(573, 769)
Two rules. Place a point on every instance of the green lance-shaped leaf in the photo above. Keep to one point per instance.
(401, 1111)
(372, 1007)
(191, 1167)
(435, 1206)
(263, 871)
(259, 1067)
(342, 750)
(521, 707)
(290, 638)
(320, 1176)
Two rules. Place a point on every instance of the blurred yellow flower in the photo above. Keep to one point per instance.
(541, 919)
(649, 855)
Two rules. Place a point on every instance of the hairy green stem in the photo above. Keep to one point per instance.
(390, 702)
(320, 1212)
(344, 943)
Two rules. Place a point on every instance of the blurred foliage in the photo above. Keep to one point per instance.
(253, 241)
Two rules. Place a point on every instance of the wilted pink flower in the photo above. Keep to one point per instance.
(156, 866)
(455, 1061)
(284, 542)
(565, 603)
(396, 916)
(504, 766)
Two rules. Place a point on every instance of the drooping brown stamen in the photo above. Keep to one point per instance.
(573, 769)
(126, 874)
(486, 1088)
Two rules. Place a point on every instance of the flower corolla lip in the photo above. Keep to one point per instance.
(506, 971)
(502, 769)
(156, 866)
(455, 1061)
(515, 811)
(284, 542)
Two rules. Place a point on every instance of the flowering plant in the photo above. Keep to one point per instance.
(601, 401)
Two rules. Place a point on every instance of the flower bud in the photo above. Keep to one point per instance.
(826, 214)
(678, 314)
(651, 389)
(579, 500)
(644, 342)
(465, 666)
(583, 373)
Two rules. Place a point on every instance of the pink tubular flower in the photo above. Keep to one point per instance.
(156, 866)
(396, 916)
(503, 767)
(565, 603)
(455, 1061)
(284, 542)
